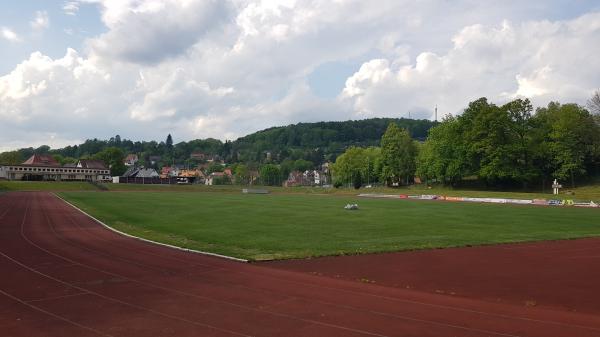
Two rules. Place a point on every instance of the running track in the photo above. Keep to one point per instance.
(62, 274)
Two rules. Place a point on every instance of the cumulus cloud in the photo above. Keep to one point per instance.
(41, 21)
(540, 60)
(224, 68)
(9, 35)
(149, 31)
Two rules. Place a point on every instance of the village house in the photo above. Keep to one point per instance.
(306, 178)
(131, 159)
(217, 178)
(140, 172)
(198, 156)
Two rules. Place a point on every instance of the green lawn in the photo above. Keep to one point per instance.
(259, 227)
(45, 186)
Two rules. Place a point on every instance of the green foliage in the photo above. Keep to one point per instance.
(508, 145)
(11, 158)
(169, 142)
(241, 174)
(318, 142)
(270, 175)
(398, 155)
(357, 179)
(113, 157)
(64, 160)
(444, 156)
(572, 140)
(215, 167)
(357, 160)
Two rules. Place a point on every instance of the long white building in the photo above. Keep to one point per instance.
(44, 167)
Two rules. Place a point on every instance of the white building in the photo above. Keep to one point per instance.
(44, 167)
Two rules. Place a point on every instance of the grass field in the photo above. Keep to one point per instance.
(260, 227)
(45, 186)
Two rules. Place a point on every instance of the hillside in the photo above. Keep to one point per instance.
(327, 139)
(315, 142)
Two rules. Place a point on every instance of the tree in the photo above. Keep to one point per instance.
(169, 143)
(303, 165)
(270, 175)
(444, 156)
(365, 161)
(594, 103)
(214, 167)
(519, 143)
(42, 149)
(356, 179)
(11, 158)
(573, 139)
(113, 157)
(64, 160)
(398, 153)
(241, 174)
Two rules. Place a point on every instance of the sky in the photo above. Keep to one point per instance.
(82, 69)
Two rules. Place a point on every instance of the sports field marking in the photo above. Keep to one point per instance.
(150, 241)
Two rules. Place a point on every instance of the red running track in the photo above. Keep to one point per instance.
(62, 274)
(562, 275)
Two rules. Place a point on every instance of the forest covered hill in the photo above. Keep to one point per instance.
(313, 142)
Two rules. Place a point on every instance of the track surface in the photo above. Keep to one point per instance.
(563, 275)
(62, 274)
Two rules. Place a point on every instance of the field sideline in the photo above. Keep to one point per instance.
(582, 193)
(280, 226)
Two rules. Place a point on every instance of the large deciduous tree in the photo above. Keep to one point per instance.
(357, 161)
(11, 158)
(572, 140)
(444, 156)
(270, 175)
(398, 154)
(113, 157)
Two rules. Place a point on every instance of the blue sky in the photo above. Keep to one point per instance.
(64, 31)
(224, 68)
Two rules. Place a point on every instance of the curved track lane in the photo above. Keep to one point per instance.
(65, 275)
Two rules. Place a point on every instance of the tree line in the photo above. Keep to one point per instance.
(294, 147)
(498, 146)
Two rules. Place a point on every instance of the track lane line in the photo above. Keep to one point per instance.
(399, 317)
(46, 312)
(508, 317)
(247, 308)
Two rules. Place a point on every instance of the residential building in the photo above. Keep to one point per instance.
(131, 159)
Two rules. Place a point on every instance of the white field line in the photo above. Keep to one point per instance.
(150, 241)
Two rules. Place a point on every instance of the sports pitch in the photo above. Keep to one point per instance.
(280, 226)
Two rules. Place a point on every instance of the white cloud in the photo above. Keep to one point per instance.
(540, 60)
(71, 7)
(9, 35)
(150, 31)
(222, 69)
(41, 21)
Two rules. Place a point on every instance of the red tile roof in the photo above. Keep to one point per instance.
(42, 160)
(93, 164)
